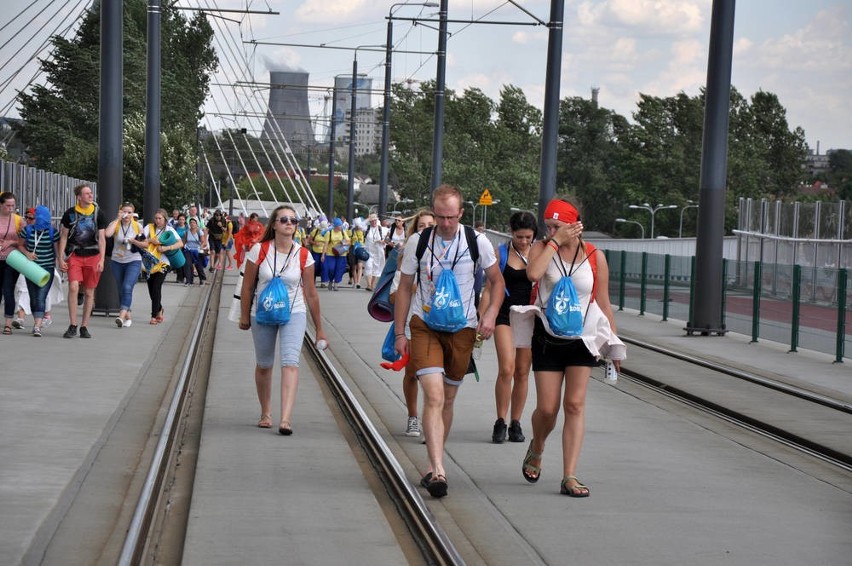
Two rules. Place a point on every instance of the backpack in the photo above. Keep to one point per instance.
(564, 313)
(273, 303)
(445, 317)
(593, 263)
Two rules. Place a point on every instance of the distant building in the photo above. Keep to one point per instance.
(288, 113)
(816, 163)
(368, 131)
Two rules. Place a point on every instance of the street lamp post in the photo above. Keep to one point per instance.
(689, 204)
(383, 177)
(353, 111)
(624, 220)
(653, 210)
(400, 201)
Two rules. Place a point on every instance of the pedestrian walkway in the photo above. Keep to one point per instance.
(666, 487)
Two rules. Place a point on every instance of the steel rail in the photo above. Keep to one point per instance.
(792, 390)
(433, 541)
(137, 532)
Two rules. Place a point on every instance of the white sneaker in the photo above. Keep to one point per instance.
(127, 323)
(45, 322)
(18, 323)
(413, 427)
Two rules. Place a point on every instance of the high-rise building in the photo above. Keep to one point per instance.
(288, 109)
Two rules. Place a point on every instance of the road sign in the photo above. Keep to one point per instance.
(485, 198)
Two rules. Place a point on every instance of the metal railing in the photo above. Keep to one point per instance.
(33, 187)
(786, 304)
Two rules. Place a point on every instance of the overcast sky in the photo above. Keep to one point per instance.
(800, 50)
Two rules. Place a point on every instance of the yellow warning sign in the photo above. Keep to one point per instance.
(485, 198)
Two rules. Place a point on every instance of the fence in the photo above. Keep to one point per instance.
(32, 187)
(778, 308)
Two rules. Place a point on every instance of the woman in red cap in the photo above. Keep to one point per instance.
(557, 360)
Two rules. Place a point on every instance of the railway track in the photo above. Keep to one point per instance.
(758, 403)
(155, 535)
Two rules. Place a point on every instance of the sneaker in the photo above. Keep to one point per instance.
(18, 323)
(84, 332)
(413, 427)
(499, 434)
(515, 432)
(46, 321)
(71, 332)
(36, 332)
(336, 287)
(118, 322)
(322, 285)
(127, 323)
(186, 284)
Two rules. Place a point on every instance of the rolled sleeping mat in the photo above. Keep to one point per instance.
(28, 268)
(235, 311)
(176, 257)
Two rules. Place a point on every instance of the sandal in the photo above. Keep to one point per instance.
(437, 486)
(265, 421)
(530, 472)
(160, 317)
(576, 490)
(154, 321)
(284, 428)
(7, 330)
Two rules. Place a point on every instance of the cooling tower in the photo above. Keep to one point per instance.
(288, 107)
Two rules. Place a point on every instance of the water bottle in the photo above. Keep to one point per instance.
(477, 347)
(611, 373)
(322, 345)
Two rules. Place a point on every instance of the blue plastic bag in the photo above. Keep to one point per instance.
(361, 253)
(564, 312)
(388, 351)
(273, 304)
(446, 313)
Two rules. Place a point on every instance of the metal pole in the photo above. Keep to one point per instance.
(151, 199)
(332, 133)
(350, 200)
(110, 147)
(714, 165)
(383, 176)
(441, 79)
(547, 179)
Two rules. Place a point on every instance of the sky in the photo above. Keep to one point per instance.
(799, 50)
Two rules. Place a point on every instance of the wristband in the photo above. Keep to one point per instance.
(398, 335)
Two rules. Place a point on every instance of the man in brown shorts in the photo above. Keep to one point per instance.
(442, 357)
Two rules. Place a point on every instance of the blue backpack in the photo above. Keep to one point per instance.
(564, 312)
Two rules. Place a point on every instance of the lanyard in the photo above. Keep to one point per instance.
(275, 272)
(523, 259)
(433, 255)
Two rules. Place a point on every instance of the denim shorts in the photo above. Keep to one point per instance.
(290, 337)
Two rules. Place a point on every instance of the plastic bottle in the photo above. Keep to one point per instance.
(322, 345)
(477, 347)
(611, 375)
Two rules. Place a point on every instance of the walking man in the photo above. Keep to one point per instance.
(81, 237)
(442, 357)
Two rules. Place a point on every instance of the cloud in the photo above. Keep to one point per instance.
(667, 17)
(319, 11)
(282, 59)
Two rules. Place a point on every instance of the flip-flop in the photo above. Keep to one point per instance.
(284, 428)
(265, 421)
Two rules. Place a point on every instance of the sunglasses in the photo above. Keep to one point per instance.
(288, 220)
(30, 217)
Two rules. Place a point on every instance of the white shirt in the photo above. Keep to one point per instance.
(287, 267)
(443, 254)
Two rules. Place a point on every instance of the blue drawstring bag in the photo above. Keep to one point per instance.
(446, 313)
(564, 312)
(273, 304)
(361, 253)
(388, 351)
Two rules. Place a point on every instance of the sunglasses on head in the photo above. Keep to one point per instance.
(28, 217)
(288, 220)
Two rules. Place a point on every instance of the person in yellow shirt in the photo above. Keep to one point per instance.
(356, 267)
(316, 242)
(334, 256)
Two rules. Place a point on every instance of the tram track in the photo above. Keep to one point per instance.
(157, 529)
(757, 403)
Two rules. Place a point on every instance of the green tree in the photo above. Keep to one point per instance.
(61, 117)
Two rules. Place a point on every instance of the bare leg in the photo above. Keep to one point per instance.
(263, 382)
(548, 386)
(574, 405)
(409, 391)
(88, 304)
(289, 384)
(433, 422)
(73, 289)
(520, 387)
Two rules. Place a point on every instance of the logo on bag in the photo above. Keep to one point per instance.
(269, 303)
(562, 303)
(442, 300)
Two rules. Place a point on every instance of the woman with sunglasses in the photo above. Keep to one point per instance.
(279, 255)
